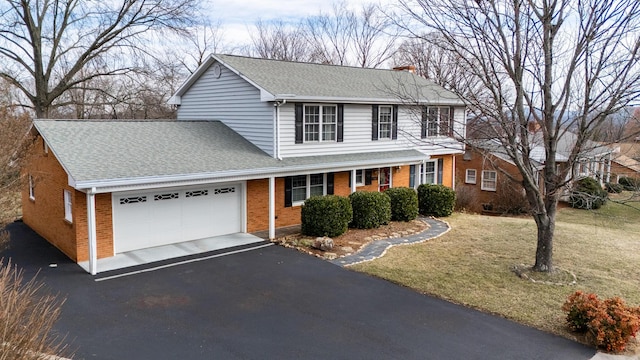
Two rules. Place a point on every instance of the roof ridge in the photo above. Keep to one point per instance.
(313, 63)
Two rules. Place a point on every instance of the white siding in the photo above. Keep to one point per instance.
(357, 134)
(233, 101)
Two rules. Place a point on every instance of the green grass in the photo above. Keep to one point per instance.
(472, 264)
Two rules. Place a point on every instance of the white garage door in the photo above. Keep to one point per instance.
(166, 216)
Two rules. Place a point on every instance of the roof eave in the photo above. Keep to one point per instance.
(108, 185)
(356, 100)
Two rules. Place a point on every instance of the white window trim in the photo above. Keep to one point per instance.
(390, 123)
(467, 179)
(361, 172)
(308, 190)
(423, 171)
(68, 206)
(439, 121)
(482, 185)
(320, 123)
(32, 188)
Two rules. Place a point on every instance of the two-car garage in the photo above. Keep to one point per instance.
(149, 218)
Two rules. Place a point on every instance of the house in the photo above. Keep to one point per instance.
(625, 161)
(489, 181)
(254, 138)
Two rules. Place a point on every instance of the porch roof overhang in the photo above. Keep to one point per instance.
(286, 167)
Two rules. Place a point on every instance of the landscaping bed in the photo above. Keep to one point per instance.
(353, 240)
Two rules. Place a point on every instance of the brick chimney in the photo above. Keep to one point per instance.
(409, 68)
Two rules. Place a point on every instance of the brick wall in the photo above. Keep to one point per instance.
(479, 163)
(104, 225)
(258, 198)
(45, 214)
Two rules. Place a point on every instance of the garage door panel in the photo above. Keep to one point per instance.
(161, 217)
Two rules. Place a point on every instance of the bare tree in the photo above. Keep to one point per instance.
(373, 42)
(555, 63)
(331, 35)
(46, 44)
(280, 41)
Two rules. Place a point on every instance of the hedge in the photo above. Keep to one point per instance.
(327, 215)
(436, 200)
(587, 194)
(404, 203)
(370, 209)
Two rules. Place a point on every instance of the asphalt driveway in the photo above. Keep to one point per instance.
(271, 303)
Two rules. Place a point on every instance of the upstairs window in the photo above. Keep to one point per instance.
(384, 122)
(320, 122)
(437, 121)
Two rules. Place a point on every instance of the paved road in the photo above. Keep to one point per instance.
(272, 303)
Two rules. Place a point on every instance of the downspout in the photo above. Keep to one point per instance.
(276, 150)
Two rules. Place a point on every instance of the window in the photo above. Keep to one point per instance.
(470, 176)
(320, 122)
(429, 175)
(68, 206)
(385, 118)
(359, 177)
(489, 180)
(437, 121)
(305, 186)
(32, 188)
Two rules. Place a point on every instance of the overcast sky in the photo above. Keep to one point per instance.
(239, 16)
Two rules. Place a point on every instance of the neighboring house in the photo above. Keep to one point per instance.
(487, 175)
(254, 138)
(625, 161)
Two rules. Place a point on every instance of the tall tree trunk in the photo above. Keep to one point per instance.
(546, 223)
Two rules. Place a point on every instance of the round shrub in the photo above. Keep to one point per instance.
(404, 203)
(436, 200)
(370, 209)
(629, 184)
(587, 194)
(326, 215)
(613, 188)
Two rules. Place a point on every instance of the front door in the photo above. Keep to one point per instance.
(384, 179)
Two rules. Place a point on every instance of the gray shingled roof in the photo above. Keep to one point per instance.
(128, 150)
(307, 80)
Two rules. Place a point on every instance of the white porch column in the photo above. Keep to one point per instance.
(353, 181)
(272, 208)
(419, 174)
(453, 173)
(91, 227)
(609, 167)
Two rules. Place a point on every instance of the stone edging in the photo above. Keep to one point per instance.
(378, 248)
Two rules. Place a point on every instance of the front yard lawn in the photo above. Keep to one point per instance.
(472, 264)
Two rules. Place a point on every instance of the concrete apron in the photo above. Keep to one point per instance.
(165, 252)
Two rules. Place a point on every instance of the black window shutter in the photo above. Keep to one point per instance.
(340, 125)
(394, 123)
(374, 122)
(288, 184)
(299, 125)
(349, 179)
(329, 183)
(423, 127)
(412, 176)
(440, 166)
(368, 176)
(451, 121)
